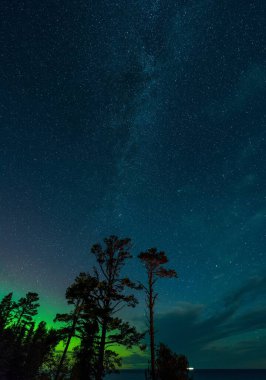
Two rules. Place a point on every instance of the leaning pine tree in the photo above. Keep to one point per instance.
(79, 295)
(153, 262)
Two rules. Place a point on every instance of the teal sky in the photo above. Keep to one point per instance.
(143, 119)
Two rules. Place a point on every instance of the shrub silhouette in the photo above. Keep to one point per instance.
(169, 365)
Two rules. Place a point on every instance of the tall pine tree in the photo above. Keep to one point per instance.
(111, 297)
(153, 261)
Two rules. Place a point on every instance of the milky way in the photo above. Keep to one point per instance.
(143, 119)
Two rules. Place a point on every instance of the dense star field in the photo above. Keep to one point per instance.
(144, 119)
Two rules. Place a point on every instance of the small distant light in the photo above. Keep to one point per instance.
(190, 368)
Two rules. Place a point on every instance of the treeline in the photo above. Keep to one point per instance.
(28, 351)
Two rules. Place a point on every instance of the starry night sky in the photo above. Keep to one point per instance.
(146, 119)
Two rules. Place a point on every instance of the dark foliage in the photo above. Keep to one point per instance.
(25, 309)
(28, 351)
(96, 300)
(6, 308)
(78, 323)
(23, 348)
(169, 365)
(85, 358)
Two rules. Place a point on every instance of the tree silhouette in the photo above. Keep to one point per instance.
(111, 296)
(6, 308)
(39, 343)
(26, 309)
(169, 365)
(153, 261)
(85, 355)
(28, 350)
(79, 294)
(23, 348)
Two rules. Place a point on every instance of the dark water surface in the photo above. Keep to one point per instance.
(219, 374)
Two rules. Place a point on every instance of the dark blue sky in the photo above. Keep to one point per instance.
(143, 119)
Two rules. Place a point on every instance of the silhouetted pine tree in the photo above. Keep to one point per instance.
(153, 261)
(111, 297)
(6, 308)
(79, 294)
(23, 349)
(25, 309)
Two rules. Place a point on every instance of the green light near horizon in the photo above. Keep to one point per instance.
(47, 311)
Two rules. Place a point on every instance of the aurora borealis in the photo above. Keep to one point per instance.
(143, 119)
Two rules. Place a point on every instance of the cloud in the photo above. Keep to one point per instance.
(253, 287)
(227, 337)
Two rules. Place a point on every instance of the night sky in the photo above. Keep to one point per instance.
(146, 119)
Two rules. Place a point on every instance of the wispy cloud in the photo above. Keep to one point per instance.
(231, 335)
(236, 328)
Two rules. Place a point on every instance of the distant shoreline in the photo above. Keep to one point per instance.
(204, 370)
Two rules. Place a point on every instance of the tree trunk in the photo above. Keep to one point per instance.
(72, 332)
(63, 357)
(152, 345)
(100, 370)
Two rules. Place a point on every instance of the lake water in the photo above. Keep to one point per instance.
(227, 374)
